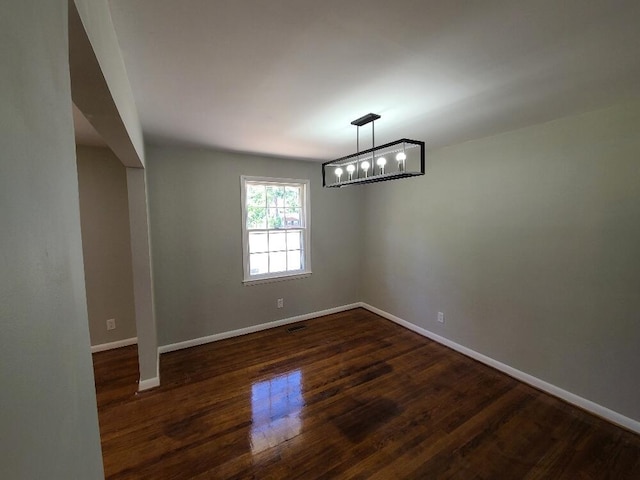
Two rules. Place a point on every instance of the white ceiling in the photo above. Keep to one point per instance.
(286, 77)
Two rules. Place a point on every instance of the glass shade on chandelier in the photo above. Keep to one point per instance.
(400, 159)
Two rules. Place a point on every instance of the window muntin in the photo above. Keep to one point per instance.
(275, 228)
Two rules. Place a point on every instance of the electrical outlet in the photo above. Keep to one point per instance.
(441, 317)
(111, 324)
(280, 302)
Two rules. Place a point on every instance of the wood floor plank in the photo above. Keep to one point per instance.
(352, 395)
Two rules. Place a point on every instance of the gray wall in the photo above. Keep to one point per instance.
(529, 242)
(195, 220)
(48, 418)
(106, 245)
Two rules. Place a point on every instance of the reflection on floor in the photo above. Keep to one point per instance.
(276, 406)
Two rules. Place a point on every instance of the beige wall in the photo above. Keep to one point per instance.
(106, 245)
(196, 238)
(48, 416)
(529, 242)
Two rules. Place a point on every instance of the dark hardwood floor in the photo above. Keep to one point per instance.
(350, 396)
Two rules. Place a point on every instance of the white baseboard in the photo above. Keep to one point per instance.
(256, 328)
(110, 346)
(154, 381)
(588, 405)
(148, 383)
(142, 384)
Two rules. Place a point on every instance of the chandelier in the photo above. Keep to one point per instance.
(400, 159)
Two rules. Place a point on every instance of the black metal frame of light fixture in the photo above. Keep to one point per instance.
(371, 118)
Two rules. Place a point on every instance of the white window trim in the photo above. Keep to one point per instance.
(279, 276)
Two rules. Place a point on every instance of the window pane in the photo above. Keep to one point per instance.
(275, 228)
(258, 243)
(276, 218)
(292, 217)
(275, 196)
(294, 240)
(277, 241)
(256, 217)
(256, 195)
(278, 262)
(292, 196)
(258, 263)
(294, 258)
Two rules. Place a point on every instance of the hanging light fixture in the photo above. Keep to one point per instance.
(361, 166)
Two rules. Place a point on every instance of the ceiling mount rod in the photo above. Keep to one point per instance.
(359, 122)
(369, 117)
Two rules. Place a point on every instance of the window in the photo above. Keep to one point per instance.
(275, 228)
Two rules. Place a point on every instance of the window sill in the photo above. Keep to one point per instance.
(258, 281)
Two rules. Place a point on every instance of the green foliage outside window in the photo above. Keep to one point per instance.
(273, 207)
